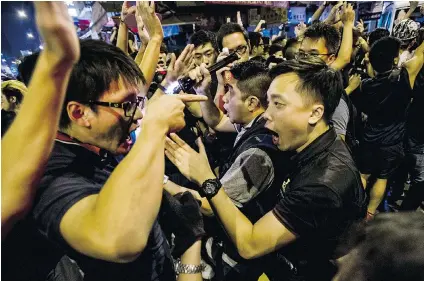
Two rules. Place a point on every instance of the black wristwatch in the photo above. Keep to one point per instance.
(210, 188)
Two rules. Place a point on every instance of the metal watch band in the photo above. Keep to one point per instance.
(181, 268)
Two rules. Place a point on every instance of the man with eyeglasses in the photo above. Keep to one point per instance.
(323, 40)
(233, 37)
(101, 214)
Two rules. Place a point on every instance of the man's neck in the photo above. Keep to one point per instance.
(253, 116)
(319, 129)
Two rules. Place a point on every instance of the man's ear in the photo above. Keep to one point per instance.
(317, 114)
(77, 113)
(253, 103)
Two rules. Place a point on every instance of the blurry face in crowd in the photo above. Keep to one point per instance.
(162, 62)
(236, 41)
(236, 106)
(205, 54)
(110, 127)
(259, 51)
(279, 54)
(288, 115)
(314, 47)
(5, 104)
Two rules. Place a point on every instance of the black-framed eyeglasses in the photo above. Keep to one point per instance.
(303, 55)
(240, 50)
(129, 107)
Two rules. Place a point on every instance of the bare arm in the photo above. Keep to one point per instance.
(318, 12)
(114, 33)
(154, 29)
(122, 40)
(258, 27)
(344, 54)
(37, 122)
(191, 256)
(412, 6)
(414, 65)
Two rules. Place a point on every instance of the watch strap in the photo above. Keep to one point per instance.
(181, 268)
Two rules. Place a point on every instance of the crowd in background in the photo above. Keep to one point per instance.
(287, 163)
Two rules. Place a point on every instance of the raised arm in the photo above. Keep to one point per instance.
(319, 11)
(38, 119)
(414, 65)
(122, 40)
(345, 52)
(144, 38)
(154, 28)
(212, 115)
(412, 6)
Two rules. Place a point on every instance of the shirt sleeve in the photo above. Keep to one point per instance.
(307, 208)
(56, 198)
(251, 173)
(341, 118)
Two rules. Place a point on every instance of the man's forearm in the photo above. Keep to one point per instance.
(129, 202)
(122, 40)
(345, 52)
(140, 54)
(318, 13)
(211, 113)
(34, 127)
(238, 227)
(150, 59)
(191, 256)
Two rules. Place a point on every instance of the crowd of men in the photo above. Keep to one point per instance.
(274, 164)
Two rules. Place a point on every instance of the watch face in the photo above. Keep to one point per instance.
(209, 188)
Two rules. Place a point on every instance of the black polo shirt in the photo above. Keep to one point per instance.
(321, 199)
(74, 172)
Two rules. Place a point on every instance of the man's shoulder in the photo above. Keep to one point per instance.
(334, 169)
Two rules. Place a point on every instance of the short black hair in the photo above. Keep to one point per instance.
(99, 65)
(26, 67)
(279, 39)
(252, 79)
(328, 32)
(10, 91)
(230, 28)
(389, 248)
(255, 39)
(275, 48)
(383, 52)
(318, 82)
(377, 34)
(288, 51)
(203, 37)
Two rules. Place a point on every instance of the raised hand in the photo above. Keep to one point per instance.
(146, 10)
(348, 15)
(168, 110)
(239, 21)
(360, 26)
(57, 30)
(193, 165)
(354, 81)
(181, 66)
(126, 10)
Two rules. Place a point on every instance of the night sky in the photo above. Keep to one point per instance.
(14, 29)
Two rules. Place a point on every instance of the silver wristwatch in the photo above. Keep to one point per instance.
(188, 268)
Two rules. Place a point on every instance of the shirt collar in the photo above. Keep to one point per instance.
(319, 145)
(64, 138)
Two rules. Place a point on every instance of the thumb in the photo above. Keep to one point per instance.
(201, 146)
